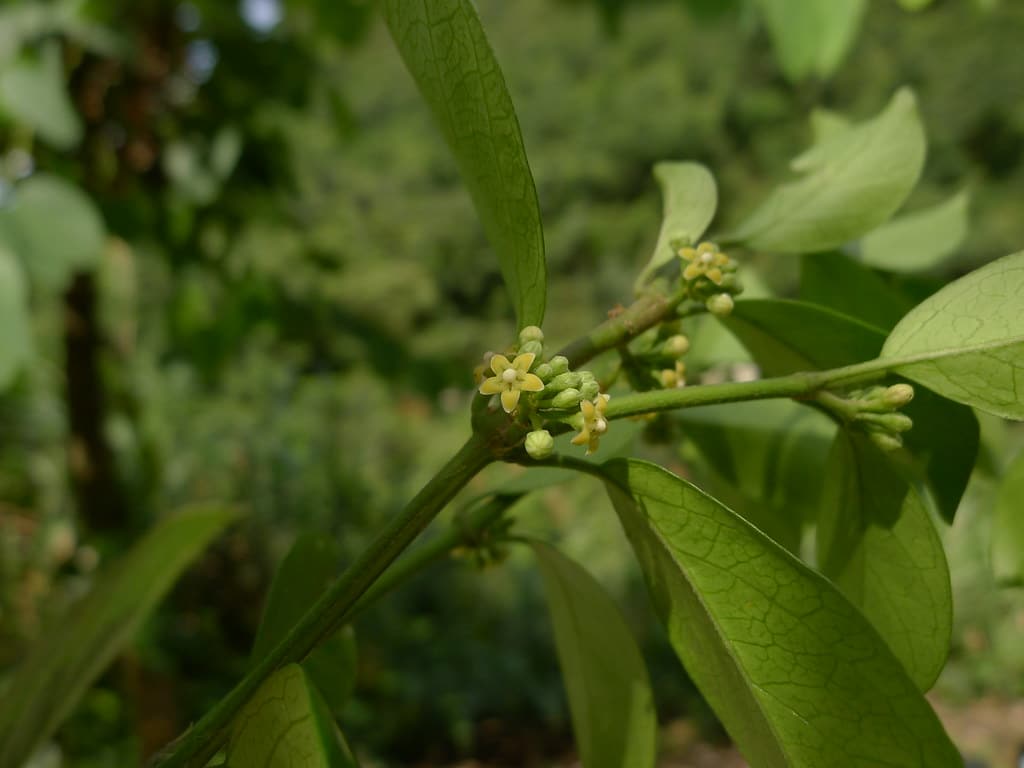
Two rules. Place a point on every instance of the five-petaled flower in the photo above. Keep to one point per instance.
(510, 379)
(704, 260)
(594, 423)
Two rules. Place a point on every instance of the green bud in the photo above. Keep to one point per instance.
(531, 333)
(898, 395)
(559, 364)
(720, 304)
(886, 441)
(532, 346)
(543, 371)
(889, 422)
(563, 381)
(539, 444)
(676, 346)
(590, 389)
(567, 398)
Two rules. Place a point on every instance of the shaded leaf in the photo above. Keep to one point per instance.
(605, 677)
(301, 578)
(65, 661)
(854, 181)
(920, 240)
(447, 52)
(15, 329)
(836, 281)
(797, 675)
(54, 227)
(878, 545)
(286, 725)
(690, 198)
(811, 37)
(966, 342)
(1008, 527)
(32, 92)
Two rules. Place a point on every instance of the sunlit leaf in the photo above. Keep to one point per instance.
(811, 37)
(853, 181)
(919, 240)
(445, 48)
(69, 657)
(33, 92)
(605, 677)
(15, 331)
(1008, 526)
(54, 228)
(286, 725)
(878, 545)
(797, 675)
(966, 342)
(302, 577)
(689, 196)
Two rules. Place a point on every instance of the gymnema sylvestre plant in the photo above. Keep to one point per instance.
(807, 663)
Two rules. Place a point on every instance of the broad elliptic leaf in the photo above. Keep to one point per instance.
(54, 228)
(879, 546)
(69, 657)
(966, 342)
(836, 281)
(690, 197)
(605, 677)
(853, 181)
(811, 37)
(32, 92)
(444, 46)
(797, 675)
(825, 124)
(302, 577)
(1008, 526)
(286, 724)
(918, 241)
(15, 330)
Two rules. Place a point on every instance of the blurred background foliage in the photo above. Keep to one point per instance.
(237, 264)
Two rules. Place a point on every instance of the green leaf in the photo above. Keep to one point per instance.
(605, 677)
(302, 577)
(878, 545)
(915, 5)
(54, 227)
(286, 725)
(690, 198)
(15, 329)
(787, 336)
(447, 52)
(966, 342)
(32, 92)
(65, 661)
(836, 281)
(797, 675)
(825, 124)
(1008, 527)
(854, 181)
(920, 240)
(811, 37)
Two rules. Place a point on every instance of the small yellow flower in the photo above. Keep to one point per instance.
(594, 422)
(510, 379)
(704, 260)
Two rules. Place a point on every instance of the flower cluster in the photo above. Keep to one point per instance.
(709, 276)
(876, 411)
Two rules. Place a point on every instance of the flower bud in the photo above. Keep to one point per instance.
(559, 364)
(720, 304)
(677, 345)
(669, 378)
(898, 395)
(539, 444)
(532, 346)
(590, 389)
(563, 381)
(886, 441)
(544, 372)
(531, 333)
(567, 398)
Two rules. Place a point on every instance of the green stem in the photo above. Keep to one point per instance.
(332, 611)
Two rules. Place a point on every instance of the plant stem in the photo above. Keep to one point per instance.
(332, 610)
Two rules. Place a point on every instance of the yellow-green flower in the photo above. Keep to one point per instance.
(594, 423)
(510, 379)
(704, 261)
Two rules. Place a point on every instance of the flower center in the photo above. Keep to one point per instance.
(707, 258)
(600, 426)
(508, 375)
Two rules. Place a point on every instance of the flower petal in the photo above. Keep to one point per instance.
(509, 400)
(499, 363)
(582, 438)
(587, 408)
(692, 270)
(491, 386)
(715, 275)
(523, 362)
(688, 253)
(531, 383)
